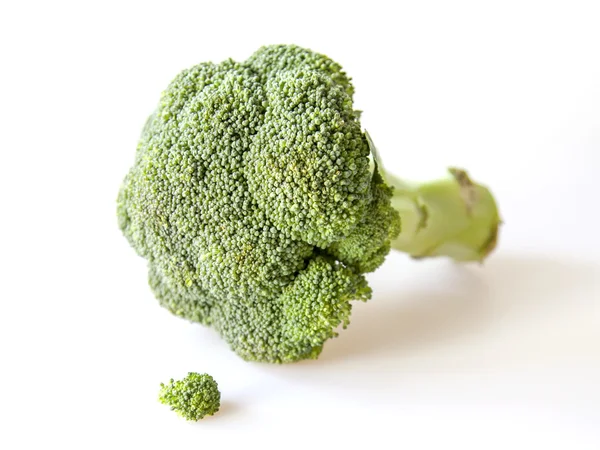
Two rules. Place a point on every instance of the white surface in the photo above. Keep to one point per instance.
(501, 356)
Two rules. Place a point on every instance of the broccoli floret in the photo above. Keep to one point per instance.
(193, 397)
(255, 198)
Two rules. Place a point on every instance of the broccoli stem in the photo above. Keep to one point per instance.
(452, 217)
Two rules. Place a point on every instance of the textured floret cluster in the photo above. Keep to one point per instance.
(254, 201)
(193, 397)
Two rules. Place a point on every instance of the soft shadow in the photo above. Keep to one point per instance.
(229, 409)
(398, 324)
(468, 299)
(418, 319)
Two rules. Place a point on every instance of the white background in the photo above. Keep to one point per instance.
(501, 356)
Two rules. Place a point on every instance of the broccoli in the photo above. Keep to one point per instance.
(260, 203)
(193, 397)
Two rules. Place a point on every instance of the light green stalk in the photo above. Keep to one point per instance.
(452, 216)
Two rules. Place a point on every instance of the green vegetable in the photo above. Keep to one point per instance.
(260, 203)
(452, 216)
(193, 397)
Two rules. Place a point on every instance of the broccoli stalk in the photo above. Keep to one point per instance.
(451, 216)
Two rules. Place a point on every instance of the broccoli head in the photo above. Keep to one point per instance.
(258, 204)
(193, 397)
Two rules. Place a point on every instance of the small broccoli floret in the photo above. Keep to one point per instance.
(254, 198)
(193, 397)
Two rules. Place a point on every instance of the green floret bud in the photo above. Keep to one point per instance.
(316, 304)
(276, 59)
(193, 397)
(310, 152)
(366, 247)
